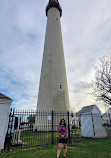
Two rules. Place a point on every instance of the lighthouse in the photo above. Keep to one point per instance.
(53, 89)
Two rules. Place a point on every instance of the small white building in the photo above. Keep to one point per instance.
(106, 118)
(91, 122)
(76, 120)
(5, 106)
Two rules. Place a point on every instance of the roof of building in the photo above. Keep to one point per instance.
(2, 96)
(86, 109)
(107, 112)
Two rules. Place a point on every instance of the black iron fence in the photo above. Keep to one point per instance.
(32, 129)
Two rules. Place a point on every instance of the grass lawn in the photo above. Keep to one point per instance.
(30, 137)
(35, 138)
(100, 148)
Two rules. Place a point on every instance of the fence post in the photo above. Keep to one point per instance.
(52, 140)
(69, 128)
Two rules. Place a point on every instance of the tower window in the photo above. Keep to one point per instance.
(57, 19)
(60, 87)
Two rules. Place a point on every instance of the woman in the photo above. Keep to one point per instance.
(63, 135)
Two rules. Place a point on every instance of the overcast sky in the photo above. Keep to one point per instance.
(86, 30)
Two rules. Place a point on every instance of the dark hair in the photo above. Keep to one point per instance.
(64, 122)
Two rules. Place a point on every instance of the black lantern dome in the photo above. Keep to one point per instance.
(54, 4)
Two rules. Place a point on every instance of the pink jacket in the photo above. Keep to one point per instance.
(62, 130)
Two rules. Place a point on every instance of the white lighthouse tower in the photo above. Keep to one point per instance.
(53, 90)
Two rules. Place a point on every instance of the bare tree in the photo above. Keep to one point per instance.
(102, 83)
(31, 119)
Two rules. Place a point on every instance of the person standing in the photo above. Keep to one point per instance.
(63, 135)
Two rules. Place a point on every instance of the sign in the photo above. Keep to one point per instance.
(49, 117)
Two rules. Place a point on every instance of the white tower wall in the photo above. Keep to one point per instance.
(53, 73)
